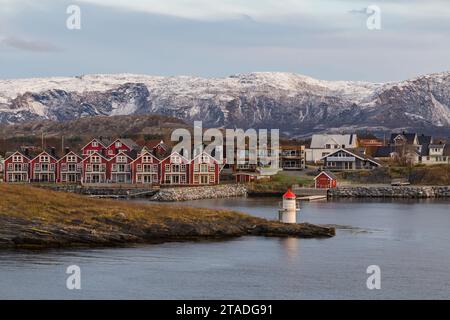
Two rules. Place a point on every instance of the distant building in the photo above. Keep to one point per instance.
(371, 142)
(345, 159)
(292, 156)
(324, 144)
(437, 154)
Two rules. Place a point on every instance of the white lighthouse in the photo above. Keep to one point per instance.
(289, 208)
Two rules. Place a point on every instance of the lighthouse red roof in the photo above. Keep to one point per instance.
(289, 195)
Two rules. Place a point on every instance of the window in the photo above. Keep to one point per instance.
(44, 159)
(167, 167)
(183, 168)
(147, 159)
(118, 144)
(205, 158)
(114, 167)
(17, 159)
(94, 143)
(212, 168)
(212, 179)
(71, 158)
(110, 152)
(183, 179)
(88, 167)
(121, 159)
(175, 159)
(139, 168)
(95, 159)
(52, 167)
(10, 166)
(37, 167)
(328, 146)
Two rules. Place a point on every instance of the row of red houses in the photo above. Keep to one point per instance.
(117, 162)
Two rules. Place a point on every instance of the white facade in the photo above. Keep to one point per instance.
(324, 144)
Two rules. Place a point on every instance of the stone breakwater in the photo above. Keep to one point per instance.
(197, 193)
(410, 192)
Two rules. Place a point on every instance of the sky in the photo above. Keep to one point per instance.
(325, 39)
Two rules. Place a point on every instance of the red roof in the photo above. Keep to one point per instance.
(289, 194)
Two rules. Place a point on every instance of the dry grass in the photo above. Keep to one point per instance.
(58, 207)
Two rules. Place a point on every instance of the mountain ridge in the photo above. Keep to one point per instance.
(299, 105)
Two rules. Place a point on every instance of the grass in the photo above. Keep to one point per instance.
(28, 202)
(280, 183)
(417, 175)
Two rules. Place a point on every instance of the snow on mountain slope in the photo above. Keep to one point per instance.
(298, 104)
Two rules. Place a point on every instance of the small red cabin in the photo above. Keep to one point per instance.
(325, 179)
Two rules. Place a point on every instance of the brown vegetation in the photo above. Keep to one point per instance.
(35, 217)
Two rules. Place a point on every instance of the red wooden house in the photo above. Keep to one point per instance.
(95, 169)
(159, 147)
(95, 145)
(325, 179)
(119, 168)
(119, 145)
(205, 169)
(146, 168)
(69, 168)
(43, 168)
(174, 169)
(16, 168)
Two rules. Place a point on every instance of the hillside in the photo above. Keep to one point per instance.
(142, 128)
(297, 104)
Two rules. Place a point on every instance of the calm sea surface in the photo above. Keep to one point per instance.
(408, 240)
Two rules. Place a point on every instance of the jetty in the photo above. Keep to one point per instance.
(312, 198)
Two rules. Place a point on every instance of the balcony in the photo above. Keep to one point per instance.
(341, 159)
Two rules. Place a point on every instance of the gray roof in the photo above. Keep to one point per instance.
(318, 141)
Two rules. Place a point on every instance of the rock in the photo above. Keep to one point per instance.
(407, 192)
(201, 192)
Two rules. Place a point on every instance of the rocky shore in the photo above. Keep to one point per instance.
(36, 218)
(411, 192)
(119, 230)
(203, 192)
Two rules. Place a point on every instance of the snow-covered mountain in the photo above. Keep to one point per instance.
(296, 104)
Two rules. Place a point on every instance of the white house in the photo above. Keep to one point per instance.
(437, 154)
(324, 144)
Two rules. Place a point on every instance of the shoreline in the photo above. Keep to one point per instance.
(37, 218)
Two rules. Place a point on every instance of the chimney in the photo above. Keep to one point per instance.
(66, 150)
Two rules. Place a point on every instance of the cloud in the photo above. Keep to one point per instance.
(29, 45)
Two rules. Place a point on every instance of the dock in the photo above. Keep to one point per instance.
(312, 198)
